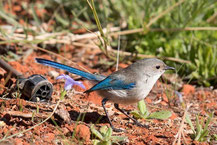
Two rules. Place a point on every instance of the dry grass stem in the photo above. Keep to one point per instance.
(127, 32)
(181, 128)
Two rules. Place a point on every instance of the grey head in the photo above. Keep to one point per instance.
(151, 66)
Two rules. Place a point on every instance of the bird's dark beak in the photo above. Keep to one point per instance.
(169, 68)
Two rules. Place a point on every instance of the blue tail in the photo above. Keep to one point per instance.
(86, 75)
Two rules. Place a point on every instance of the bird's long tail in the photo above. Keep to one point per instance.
(73, 70)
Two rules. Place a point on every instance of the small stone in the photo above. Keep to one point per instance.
(18, 141)
(187, 89)
(148, 100)
(173, 116)
(163, 103)
(49, 136)
(2, 123)
(53, 74)
(70, 127)
(64, 114)
(7, 142)
(82, 132)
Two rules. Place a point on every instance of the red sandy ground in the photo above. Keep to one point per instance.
(159, 132)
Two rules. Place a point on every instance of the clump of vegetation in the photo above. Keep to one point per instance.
(201, 133)
(169, 36)
(105, 137)
(143, 112)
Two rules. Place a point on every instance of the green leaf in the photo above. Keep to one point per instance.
(96, 142)
(8, 18)
(208, 121)
(103, 130)
(160, 115)
(198, 129)
(142, 107)
(188, 120)
(117, 139)
(108, 134)
(108, 142)
(136, 114)
(214, 136)
(63, 94)
(96, 133)
(203, 135)
(198, 134)
(61, 20)
(146, 114)
(35, 17)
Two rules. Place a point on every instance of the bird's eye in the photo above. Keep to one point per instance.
(157, 67)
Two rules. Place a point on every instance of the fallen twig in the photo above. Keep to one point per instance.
(26, 115)
(61, 112)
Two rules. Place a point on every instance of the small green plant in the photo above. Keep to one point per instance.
(201, 132)
(105, 137)
(214, 137)
(20, 105)
(63, 94)
(143, 112)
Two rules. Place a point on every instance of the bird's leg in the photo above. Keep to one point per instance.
(113, 128)
(122, 111)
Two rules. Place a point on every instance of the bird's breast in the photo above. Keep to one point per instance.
(144, 86)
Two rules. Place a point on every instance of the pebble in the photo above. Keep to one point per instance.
(53, 74)
(82, 132)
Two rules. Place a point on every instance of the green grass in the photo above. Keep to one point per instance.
(201, 133)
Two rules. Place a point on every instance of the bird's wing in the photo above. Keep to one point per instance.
(73, 70)
(112, 83)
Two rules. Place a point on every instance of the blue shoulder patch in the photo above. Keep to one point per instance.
(111, 83)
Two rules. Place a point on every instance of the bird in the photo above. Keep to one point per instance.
(125, 86)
